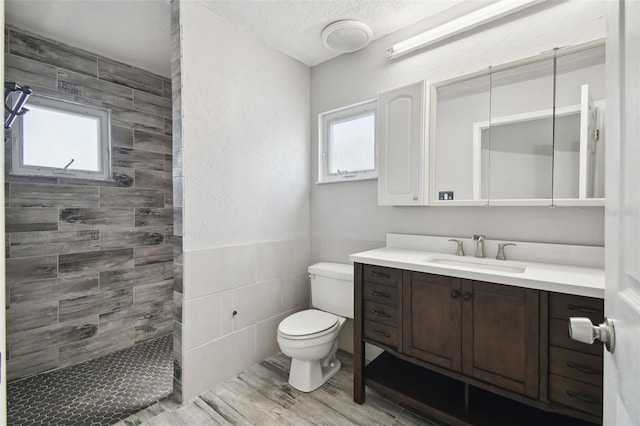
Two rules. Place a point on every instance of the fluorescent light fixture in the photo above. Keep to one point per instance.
(482, 16)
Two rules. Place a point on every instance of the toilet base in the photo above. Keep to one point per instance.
(307, 376)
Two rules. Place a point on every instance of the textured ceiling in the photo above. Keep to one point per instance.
(137, 32)
(294, 26)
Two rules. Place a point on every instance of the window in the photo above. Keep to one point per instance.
(60, 138)
(348, 143)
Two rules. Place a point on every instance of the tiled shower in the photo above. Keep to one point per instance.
(89, 263)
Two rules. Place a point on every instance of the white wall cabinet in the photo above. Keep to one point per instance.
(402, 151)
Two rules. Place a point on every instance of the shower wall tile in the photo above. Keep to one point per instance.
(95, 218)
(39, 195)
(29, 244)
(93, 347)
(121, 197)
(30, 73)
(90, 263)
(29, 365)
(158, 105)
(30, 269)
(131, 237)
(137, 159)
(53, 289)
(27, 316)
(129, 76)
(134, 119)
(81, 263)
(154, 217)
(101, 303)
(152, 142)
(39, 339)
(121, 137)
(31, 219)
(154, 179)
(52, 53)
(94, 89)
(144, 274)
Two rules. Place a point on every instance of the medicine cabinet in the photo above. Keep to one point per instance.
(524, 133)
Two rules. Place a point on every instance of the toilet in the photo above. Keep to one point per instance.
(310, 337)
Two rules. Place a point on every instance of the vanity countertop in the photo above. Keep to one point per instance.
(569, 279)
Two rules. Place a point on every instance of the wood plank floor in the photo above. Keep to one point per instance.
(261, 396)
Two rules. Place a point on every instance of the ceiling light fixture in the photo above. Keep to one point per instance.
(482, 16)
(346, 36)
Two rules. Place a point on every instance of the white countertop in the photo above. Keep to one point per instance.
(570, 279)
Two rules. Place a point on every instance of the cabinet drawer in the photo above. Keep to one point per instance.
(563, 306)
(381, 313)
(559, 336)
(382, 333)
(576, 365)
(381, 275)
(575, 394)
(378, 293)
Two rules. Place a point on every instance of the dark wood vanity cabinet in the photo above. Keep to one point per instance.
(498, 339)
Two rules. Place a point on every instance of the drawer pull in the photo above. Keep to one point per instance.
(380, 294)
(573, 307)
(380, 314)
(572, 394)
(380, 274)
(380, 333)
(581, 368)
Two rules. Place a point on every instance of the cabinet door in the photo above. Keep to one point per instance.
(402, 157)
(500, 326)
(431, 319)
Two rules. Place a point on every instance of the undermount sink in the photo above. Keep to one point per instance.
(477, 263)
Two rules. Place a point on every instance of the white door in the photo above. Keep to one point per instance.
(622, 214)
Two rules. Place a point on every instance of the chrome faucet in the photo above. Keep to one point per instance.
(460, 250)
(501, 247)
(479, 247)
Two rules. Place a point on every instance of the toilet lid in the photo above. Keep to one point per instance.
(307, 322)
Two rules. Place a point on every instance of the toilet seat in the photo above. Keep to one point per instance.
(308, 324)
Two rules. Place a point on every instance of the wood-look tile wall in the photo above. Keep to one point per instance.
(90, 263)
(178, 203)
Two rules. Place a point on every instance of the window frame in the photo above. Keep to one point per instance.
(341, 115)
(103, 115)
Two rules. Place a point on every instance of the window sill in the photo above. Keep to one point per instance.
(355, 179)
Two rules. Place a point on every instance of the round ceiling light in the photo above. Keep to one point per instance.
(346, 36)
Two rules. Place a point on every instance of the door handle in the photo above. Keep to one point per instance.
(582, 330)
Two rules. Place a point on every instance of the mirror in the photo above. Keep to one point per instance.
(526, 133)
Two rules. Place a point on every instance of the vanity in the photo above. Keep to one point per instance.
(480, 341)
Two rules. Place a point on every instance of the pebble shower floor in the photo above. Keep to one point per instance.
(97, 392)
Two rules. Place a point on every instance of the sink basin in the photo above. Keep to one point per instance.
(477, 263)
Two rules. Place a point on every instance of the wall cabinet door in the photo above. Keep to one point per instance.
(500, 326)
(402, 153)
(431, 319)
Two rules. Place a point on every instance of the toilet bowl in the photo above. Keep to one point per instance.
(310, 337)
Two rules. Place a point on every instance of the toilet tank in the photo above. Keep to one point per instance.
(332, 288)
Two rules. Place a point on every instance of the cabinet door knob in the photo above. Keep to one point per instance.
(455, 294)
(467, 295)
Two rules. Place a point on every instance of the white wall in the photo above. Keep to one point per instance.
(246, 219)
(347, 214)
